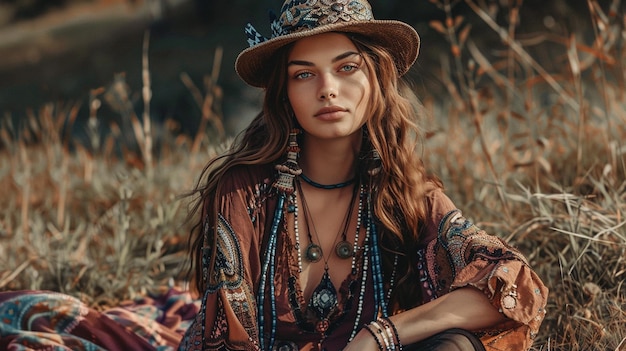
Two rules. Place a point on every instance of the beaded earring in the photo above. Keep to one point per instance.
(288, 170)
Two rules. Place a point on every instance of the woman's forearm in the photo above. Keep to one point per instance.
(465, 308)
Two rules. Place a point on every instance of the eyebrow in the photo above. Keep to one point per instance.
(337, 58)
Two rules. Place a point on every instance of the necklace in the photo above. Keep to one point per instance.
(266, 295)
(324, 300)
(343, 249)
(326, 186)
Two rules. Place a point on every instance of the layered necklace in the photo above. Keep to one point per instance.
(369, 267)
(343, 249)
(324, 300)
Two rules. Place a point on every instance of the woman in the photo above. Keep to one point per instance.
(320, 229)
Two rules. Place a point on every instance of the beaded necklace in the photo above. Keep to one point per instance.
(269, 270)
(366, 251)
(371, 252)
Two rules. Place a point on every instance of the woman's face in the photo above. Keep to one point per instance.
(328, 86)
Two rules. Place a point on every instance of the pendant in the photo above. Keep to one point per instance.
(313, 252)
(324, 300)
(343, 249)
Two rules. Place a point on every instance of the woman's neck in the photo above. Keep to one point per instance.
(329, 161)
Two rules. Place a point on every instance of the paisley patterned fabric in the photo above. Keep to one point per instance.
(43, 320)
(464, 255)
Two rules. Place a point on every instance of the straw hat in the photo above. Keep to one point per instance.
(303, 18)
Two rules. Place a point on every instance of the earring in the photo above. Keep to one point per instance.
(288, 170)
(375, 163)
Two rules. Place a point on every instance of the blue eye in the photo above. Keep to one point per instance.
(349, 68)
(303, 75)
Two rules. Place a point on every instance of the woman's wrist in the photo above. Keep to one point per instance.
(385, 334)
(374, 335)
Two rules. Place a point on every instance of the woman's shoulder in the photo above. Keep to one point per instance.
(246, 176)
(244, 189)
(438, 206)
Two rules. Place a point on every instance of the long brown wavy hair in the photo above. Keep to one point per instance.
(399, 188)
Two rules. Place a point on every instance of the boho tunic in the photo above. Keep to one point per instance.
(452, 253)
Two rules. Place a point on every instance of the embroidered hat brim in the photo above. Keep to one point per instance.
(254, 64)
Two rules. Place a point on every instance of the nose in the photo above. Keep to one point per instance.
(328, 87)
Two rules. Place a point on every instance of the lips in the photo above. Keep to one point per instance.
(329, 110)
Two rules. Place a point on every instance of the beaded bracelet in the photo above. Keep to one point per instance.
(389, 325)
(387, 339)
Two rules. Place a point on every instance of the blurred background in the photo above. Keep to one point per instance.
(55, 51)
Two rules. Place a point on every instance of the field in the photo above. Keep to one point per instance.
(527, 133)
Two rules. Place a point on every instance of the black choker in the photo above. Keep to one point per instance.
(327, 186)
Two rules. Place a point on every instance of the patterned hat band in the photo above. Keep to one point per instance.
(302, 18)
(302, 15)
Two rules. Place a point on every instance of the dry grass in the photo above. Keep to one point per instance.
(88, 223)
(93, 218)
(534, 154)
(538, 157)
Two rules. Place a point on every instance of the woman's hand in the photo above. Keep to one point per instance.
(363, 341)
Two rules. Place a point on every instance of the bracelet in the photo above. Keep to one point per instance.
(389, 324)
(388, 339)
(380, 346)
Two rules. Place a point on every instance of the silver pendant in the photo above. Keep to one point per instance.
(313, 253)
(324, 302)
(343, 249)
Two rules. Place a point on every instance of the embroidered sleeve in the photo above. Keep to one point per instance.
(464, 255)
(227, 319)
